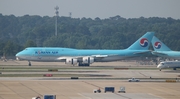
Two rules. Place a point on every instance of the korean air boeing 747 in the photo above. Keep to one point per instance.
(160, 49)
(85, 57)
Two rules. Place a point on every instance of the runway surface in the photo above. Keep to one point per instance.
(162, 84)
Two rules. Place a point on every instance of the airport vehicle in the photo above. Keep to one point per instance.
(160, 49)
(49, 96)
(85, 57)
(122, 89)
(133, 80)
(169, 64)
(109, 89)
(97, 90)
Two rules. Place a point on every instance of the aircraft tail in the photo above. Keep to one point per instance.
(142, 43)
(158, 45)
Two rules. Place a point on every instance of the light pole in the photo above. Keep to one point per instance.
(56, 15)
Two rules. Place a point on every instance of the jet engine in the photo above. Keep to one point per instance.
(87, 60)
(71, 61)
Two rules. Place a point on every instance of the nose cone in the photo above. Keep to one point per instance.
(158, 66)
(18, 56)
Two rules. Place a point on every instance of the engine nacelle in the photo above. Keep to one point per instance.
(71, 61)
(87, 60)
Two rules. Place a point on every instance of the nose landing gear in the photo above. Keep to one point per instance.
(29, 63)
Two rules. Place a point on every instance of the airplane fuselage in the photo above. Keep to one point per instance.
(169, 64)
(85, 57)
(56, 54)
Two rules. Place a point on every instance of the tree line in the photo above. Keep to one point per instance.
(17, 33)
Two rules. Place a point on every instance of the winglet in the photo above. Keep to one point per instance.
(158, 45)
(142, 43)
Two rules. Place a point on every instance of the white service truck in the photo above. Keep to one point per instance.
(133, 80)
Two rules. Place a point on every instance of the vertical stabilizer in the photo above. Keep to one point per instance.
(158, 45)
(142, 43)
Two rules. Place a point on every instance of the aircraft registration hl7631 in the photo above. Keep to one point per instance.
(85, 57)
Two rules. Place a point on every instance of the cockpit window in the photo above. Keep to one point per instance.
(162, 63)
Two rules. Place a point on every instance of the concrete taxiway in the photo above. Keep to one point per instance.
(89, 79)
(80, 89)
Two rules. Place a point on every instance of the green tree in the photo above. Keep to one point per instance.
(30, 43)
(10, 48)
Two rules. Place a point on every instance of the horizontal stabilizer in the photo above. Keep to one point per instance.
(144, 52)
(158, 53)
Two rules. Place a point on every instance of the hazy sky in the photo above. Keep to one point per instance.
(93, 8)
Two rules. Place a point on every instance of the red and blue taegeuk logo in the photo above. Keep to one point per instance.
(157, 45)
(144, 42)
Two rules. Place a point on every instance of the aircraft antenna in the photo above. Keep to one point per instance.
(56, 16)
